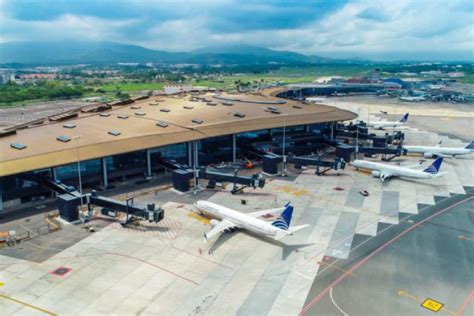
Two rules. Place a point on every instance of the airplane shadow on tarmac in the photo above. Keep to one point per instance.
(286, 249)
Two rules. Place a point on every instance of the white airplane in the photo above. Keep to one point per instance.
(385, 171)
(412, 99)
(438, 151)
(389, 124)
(231, 220)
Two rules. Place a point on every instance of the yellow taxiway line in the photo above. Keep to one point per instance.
(27, 305)
(331, 265)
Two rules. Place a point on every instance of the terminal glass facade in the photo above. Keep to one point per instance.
(23, 188)
(69, 172)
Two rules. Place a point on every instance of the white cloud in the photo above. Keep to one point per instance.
(67, 26)
(178, 35)
(360, 28)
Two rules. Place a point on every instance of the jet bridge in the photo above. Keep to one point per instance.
(361, 132)
(68, 205)
(346, 152)
(323, 165)
(253, 181)
(182, 175)
(131, 210)
(69, 199)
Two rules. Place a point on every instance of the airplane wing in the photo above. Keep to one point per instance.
(265, 212)
(223, 225)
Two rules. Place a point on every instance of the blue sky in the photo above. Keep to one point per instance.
(384, 29)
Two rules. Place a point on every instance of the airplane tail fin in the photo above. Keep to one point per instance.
(434, 167)
(404, 119)
(284, 220)
(470, 146)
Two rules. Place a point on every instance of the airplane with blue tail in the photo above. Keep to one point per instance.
(438, 151)
(389, 124)
(228, 220)
(384, 171)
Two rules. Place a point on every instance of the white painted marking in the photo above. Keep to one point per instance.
(337, 306)
(304, 275)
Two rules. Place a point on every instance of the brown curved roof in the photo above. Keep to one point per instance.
(141, 132)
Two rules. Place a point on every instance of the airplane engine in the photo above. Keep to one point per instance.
(214, 222)
(230, 230)
(376, 174)
(428, 155)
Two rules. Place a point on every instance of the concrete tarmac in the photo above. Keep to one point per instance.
(433, 259)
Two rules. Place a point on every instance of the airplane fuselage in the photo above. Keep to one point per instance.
(242, 220)
(381, 125)
(438, 150)
(394, 171)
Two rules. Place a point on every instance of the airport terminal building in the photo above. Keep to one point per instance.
(110, 143)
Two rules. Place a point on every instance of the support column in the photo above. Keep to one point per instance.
(55, 178)
(306, 128)
(195, 165)
(1, 196)
(105, 179)
(190, 153)
(332, 130)
(234, 148)
(148, 163)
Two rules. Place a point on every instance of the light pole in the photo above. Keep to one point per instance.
(195, 154)
(283, 172)
(357, 133)
(79, 166)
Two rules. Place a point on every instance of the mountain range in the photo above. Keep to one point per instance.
(79, 52)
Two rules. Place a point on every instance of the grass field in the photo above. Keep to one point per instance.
(284, 75)
(469, 78)
(131, 86)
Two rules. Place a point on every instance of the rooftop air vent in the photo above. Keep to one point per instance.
(275, 111)
(18, 146)
(162, 124)
(153, 103)
(140, 113)
(122, 116)
(136, 107)
(165, 110)
(271, 109)
(297, 106)
(114, 132)
(69, 125)
(211, 103)
(188, 107)
(206, 100)
(63, 138)
(239, 114)
(228, 103)
(104, 114)
(197, 121)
